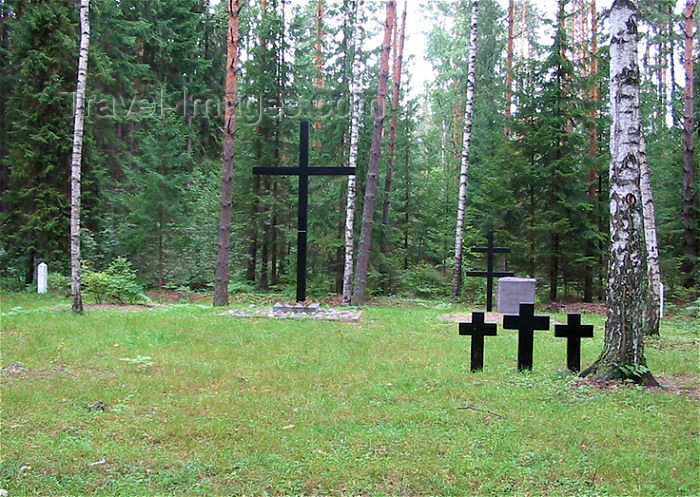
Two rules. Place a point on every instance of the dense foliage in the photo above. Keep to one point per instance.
(153, 143)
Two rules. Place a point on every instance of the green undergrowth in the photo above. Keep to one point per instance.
(180, 400)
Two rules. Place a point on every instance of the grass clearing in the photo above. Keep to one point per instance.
(226, 405)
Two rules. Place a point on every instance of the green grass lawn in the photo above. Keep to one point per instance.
(267, 407)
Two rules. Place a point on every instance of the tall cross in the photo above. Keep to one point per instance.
(303, 171)
(478, 330)
(490, 274)
(573, 331)
(526, 323)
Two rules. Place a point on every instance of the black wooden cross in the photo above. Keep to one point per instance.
(573, 331)
(526, 323)
(490, 274)
(303, 171)
(478, 330)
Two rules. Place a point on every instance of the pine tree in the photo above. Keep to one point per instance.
(222, 259)
(690, 236)
(363, 251)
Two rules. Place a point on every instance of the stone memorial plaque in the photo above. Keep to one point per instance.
(514, 291)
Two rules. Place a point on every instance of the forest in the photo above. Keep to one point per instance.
(538, 134)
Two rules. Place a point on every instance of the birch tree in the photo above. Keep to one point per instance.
(622, 356)
(466, 148)
(222, 259)
(355, 95)
(363, 250)
(76, 157)
(653, 307)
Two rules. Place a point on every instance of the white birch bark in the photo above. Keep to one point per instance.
(466, 148)
(76, 157)
(355, 91)
(653, 309)
(623, 349)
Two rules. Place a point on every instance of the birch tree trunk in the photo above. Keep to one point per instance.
(466, 148)
(652, 313)
(690, 236)
(354, 145)
(623, 349)
(395, 97)
(222, 258)
(76, 157)
(363, 249)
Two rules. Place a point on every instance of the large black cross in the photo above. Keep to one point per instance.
(573, 331)
(526, 323)
(478, 330)
(490, 274)
(303, 171)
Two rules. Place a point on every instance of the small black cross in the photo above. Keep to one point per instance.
(478, 330)
(490, 274)
(573, 331)
(526, 323)
(303, 171)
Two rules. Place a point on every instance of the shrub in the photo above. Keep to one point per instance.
(59, 283)
(115, 285)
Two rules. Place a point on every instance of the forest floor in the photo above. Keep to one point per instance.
(183, 400)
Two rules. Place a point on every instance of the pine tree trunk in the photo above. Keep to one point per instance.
(672, 57)
(466, 148)
(395, 96)
(690, 236)
(509, 68)
(222, 258)
(76, 157)
(355, 92)
(363, 249)
(623, 350)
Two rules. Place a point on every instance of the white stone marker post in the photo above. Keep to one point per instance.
(42, 278)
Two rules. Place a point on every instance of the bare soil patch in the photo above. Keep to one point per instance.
(688, 386)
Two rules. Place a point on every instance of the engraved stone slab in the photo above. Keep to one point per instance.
(514, 291)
